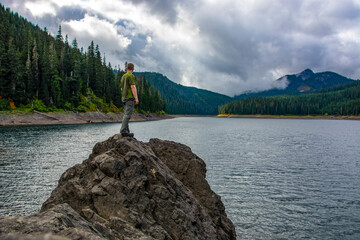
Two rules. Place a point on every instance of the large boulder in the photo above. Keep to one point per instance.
(128, 189)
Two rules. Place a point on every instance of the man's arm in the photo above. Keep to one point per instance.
(134, 92)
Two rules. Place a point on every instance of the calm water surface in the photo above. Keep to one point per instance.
(278, 178)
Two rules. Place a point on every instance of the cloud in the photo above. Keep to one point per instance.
(224, 46)
(101, 32)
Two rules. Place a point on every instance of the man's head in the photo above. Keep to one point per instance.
(130, 67)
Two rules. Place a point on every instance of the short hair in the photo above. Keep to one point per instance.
(130, 66)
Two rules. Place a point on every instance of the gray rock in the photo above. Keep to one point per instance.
(128, 189)
(191, 171)
(61, 220)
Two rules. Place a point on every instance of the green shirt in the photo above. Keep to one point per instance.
(126, 81)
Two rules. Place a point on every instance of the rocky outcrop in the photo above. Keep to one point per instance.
(59, 222)
(128, 189)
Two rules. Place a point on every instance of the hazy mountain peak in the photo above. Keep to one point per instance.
(306, 74)
(304, 82)
(281, 83)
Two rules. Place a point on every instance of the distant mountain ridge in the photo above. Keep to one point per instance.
(338, 100)
(305, 82)
(190, 100)
(185, 100)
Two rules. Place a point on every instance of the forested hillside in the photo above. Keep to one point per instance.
(185, 100)
(48, 73)
(339, 100)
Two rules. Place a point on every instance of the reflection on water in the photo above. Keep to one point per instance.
(278, 179)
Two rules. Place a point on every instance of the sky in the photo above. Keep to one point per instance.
(227, 46)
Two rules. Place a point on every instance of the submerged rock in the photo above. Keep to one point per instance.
(128, 189)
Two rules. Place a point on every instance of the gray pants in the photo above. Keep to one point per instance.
(128, 110)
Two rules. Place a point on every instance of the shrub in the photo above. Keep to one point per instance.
(4, 104)
(38, 105)
(12, 105)
(68, 106)
(81, 108)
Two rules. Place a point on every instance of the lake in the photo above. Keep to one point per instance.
(278, 178)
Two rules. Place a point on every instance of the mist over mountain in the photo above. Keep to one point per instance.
(190, 100)
(304, 82)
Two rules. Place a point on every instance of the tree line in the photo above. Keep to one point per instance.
(37, 69)
(339, 100)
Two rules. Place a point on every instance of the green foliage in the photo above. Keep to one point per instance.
(4, 104)
(68, 106)
(81, 108)
(149, 99)
(35, 65)
(38, 105)
(339, 100)
(91, 103)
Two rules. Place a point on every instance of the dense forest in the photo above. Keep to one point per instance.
(338, 100)
(47, 73)
(186, 100)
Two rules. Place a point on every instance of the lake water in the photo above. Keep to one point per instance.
(278, 178)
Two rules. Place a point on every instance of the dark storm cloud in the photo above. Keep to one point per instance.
(164, 9)
(67, 13)
(293, 36)
(250, 48)
(226, 46)
(138, 42)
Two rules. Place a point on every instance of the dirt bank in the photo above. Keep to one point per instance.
(38, 118)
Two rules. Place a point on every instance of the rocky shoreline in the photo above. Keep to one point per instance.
(128, 189)
(53, 118)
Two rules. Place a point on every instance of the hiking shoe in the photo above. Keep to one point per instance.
(127, 134)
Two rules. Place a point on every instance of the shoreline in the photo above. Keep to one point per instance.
(8, 119)
(289, 117)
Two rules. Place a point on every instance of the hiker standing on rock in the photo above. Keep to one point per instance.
(129, 98)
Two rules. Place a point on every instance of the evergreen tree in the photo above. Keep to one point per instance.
(99, 74)
(35, 71)
(33, 64)
(14, 73)
(4, 64)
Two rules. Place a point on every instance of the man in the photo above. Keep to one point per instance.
(129, 98)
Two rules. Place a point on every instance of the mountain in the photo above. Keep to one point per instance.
(185, 100)
(191, 100)
(305, 82)
(342, 99)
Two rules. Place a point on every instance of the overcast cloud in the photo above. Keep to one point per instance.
(223, 46)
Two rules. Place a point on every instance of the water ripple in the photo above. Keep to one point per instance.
(278, 179)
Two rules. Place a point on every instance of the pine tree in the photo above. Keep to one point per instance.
(14, 73)
(91, 66)
(35, 64)
(35, 71)
(99, 74)
(4, 41)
